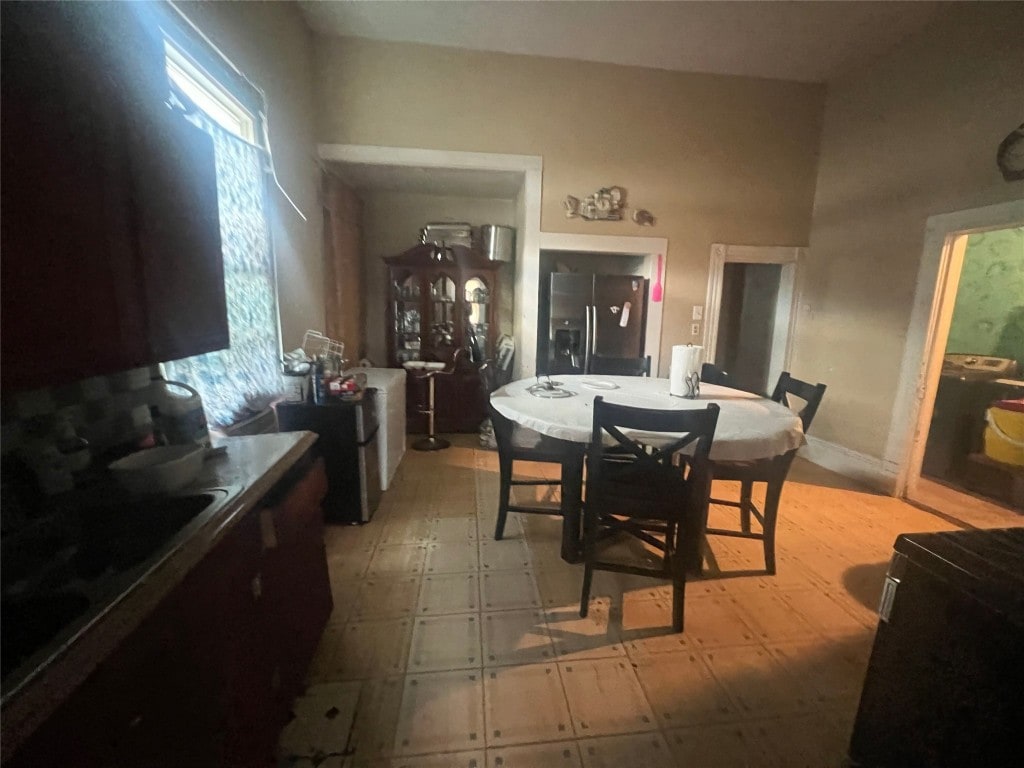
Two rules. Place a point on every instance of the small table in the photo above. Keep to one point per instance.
(749, 427)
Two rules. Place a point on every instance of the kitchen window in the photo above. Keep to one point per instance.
(239, 381)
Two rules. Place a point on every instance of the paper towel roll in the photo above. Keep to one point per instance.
(684, 373)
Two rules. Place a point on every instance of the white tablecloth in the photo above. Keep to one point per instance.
(749, 426)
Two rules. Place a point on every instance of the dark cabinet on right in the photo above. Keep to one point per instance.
(111, 250)
(943, 685)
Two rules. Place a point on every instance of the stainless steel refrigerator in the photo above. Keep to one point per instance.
(594, 315)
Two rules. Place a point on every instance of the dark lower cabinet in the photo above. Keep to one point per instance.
(209, 676)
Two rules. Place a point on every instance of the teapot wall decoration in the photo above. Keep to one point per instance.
(606, 204)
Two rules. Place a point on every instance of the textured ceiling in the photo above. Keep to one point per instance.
(802, 41)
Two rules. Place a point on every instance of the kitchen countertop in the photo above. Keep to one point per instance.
(252, 466)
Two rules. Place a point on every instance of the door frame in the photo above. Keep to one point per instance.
(937, 281)
(786, 304)
(527, 260)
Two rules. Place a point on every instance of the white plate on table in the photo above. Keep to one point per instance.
(600, 385)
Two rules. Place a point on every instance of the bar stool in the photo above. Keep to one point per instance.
(432, 442)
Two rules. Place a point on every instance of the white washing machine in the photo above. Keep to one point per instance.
(390, 386)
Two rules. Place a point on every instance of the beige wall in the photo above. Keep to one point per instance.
(716, 159)
(914, 135)
(392, 223)
(271, 45)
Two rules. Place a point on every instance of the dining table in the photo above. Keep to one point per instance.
(750, 427)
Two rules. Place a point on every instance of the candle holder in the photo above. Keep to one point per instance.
(692, 386)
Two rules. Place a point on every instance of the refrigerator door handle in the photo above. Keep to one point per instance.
(593, 336)
(587, 344)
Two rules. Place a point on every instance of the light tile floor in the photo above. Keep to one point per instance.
(447, 648)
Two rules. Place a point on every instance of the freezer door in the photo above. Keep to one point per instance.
(618, 316)
(569, 327)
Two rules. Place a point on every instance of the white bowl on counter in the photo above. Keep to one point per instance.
(159, 470)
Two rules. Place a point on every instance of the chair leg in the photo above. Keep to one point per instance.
(746, 494)
(590, 531)
(588, 577)
(678, 566)
(771, 513)
(505, 490)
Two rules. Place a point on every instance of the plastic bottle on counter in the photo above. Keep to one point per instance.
(178, 413)
(319, 388)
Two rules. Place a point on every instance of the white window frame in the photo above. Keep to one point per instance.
(209, 95)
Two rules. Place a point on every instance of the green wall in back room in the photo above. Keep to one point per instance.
(988, 317)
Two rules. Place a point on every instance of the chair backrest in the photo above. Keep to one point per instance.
(620, 366)
(623, 468)
(488, 377)
(811, 394)
(712, 374)
(504, 358)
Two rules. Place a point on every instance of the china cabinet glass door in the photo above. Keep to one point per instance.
(442, 314)
(407, 318)
(477, 298)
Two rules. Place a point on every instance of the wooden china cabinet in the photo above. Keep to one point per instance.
(443, 300)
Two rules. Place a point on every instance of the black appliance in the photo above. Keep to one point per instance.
(943, 685)
(967, 386)
(593, 315)
(348, 443)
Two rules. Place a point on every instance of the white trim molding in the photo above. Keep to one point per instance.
(527, 264)
(647, 247)
(789, 257)
(427, 158)
(875, 473)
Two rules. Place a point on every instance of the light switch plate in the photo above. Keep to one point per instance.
(698, 312)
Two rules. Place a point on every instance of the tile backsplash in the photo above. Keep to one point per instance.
(44, 427)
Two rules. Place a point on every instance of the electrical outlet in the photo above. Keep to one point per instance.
(695, 329)
(698, 312)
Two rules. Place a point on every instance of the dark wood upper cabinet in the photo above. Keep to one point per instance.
(110, 251)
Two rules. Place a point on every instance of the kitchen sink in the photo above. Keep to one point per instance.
(29, 623)
(59, 576)
(123, 535)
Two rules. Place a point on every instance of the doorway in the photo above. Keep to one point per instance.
(751, 308)
(980, 339)
(918, 400)
(642, 256)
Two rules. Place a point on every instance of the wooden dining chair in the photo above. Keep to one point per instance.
(712, 374)
(644, 491)
(772, 472)
(620, 366)
(517, 443)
